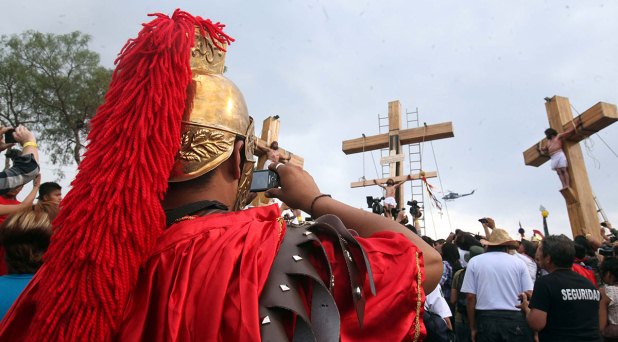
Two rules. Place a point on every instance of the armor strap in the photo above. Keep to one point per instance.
(292, 270)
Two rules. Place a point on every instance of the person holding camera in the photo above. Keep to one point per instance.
(154, 246)
(25, 165)
(488, 224)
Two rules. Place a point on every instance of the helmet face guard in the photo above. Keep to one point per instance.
(215, 117)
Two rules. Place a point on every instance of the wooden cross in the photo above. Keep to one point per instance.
(270, 133)
(579, 198)
(394, 139)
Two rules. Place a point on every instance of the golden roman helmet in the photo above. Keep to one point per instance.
(215, 117)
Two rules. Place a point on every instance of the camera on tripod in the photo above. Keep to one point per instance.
(375, 204)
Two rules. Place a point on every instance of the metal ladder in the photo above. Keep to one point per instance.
(415, 163)
(383, 128)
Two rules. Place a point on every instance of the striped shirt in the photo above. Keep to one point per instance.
(24, 169)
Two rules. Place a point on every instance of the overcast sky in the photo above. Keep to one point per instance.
(329, 68)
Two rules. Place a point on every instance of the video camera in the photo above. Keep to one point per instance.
(606, 251)
(415, 209)
(375, 204)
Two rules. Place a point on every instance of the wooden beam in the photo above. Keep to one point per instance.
(394, 116)
(568, 195)
(369, 182)
(588, 123)
(426, 133)
(407, 136)
(534, 157)
(296, 159)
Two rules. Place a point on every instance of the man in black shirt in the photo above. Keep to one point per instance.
(564, 305)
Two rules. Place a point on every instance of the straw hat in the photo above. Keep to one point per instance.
(499, 237)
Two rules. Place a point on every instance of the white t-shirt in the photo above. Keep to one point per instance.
(266, 163)
(462, 254)
(497, 279)
(529, 263)
(435, 303)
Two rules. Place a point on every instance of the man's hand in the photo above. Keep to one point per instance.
(473, 334)
(36, 183)
(298, 189)
(3, 145)
(523, 298)
(22, 135)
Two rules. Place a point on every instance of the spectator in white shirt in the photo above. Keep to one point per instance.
(493, 282)
(526, 252)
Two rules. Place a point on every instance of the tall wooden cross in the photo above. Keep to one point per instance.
(394, 139)
(270, 133)
(579, 198)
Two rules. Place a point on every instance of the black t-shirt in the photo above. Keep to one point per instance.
(572, 306)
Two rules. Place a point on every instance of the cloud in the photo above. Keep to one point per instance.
(330, 68)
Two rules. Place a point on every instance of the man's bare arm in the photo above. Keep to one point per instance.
(299, 190)
(261, 149)
(378, 184)
(566, 134)
(398, 184)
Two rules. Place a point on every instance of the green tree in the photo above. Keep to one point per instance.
(53, 83)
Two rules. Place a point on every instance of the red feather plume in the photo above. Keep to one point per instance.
(112, 217)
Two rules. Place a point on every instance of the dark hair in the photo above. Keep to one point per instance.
(450, 254)
(465, 241)
(583, 242)
(25, 237)
(442, 241)
(550, 132)
(610, 264)
(560, 249)
(412, 228)
(274, 145)
(580, 251)
(390, 181)
(498, 249)
(529, 248)
(47, 188)
(428, 240)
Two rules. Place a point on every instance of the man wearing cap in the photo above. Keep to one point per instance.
(493, 282)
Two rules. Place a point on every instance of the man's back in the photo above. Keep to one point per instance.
(205, 276)
(497, 278)
(572, 306)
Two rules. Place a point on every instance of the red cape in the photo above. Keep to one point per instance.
(204, 278)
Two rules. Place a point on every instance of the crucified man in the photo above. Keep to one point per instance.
(557, 156)
(274, 155)
(389, 198)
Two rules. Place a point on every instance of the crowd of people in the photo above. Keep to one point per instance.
(497, 288)
(25, 226)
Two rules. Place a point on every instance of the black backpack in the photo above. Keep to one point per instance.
(462, 301)
(436, 328)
